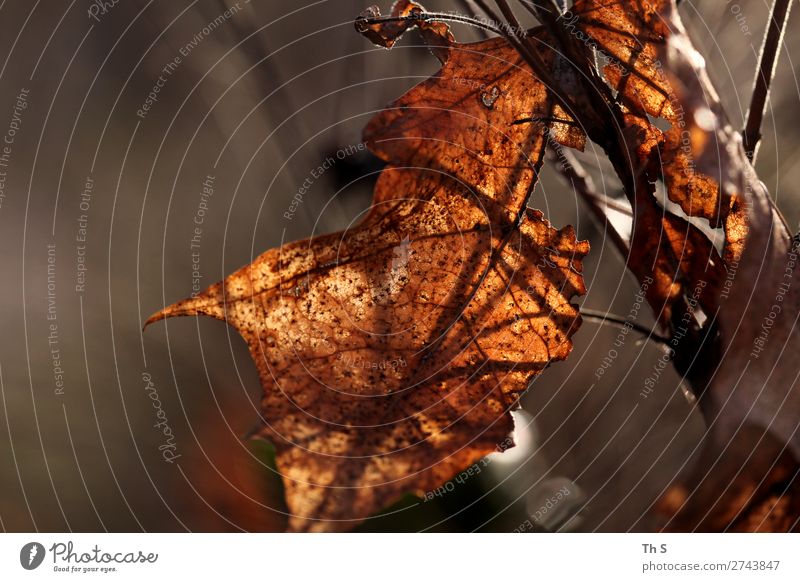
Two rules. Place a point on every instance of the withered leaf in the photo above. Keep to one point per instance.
(670, 257)
(747, 374)
(391, 354)
(758, 305)
(667, 253)
(632, 36)
(436, 35)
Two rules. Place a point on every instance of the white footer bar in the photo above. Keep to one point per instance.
(400, 557)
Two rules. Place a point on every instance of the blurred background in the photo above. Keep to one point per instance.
(119, 114)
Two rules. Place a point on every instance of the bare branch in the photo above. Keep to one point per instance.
(469, 11)
(516, 35)
(776, 28)
(605, 318)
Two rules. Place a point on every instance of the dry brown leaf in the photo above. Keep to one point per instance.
(672, 256)
(748, 373)
(758, 304)
(632, 36)
(667, 252)
(391, 354)
(436, 35)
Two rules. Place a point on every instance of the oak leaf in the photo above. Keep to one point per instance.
(391, 354)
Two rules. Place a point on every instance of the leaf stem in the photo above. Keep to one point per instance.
(438, 16)
(768, 58)
(621, 322)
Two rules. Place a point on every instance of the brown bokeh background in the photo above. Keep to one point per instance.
(258, 103)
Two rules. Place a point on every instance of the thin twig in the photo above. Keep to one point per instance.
(612, 204)
(534, 7)
(468, 10)
(569, 122)
(516, 35)
(433, 16)
(574, 172)
(768, 59)
(621, 322)
(597, 91)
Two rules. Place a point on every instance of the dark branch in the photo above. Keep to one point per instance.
(776, 28)
(467, 8)
(617, 321)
